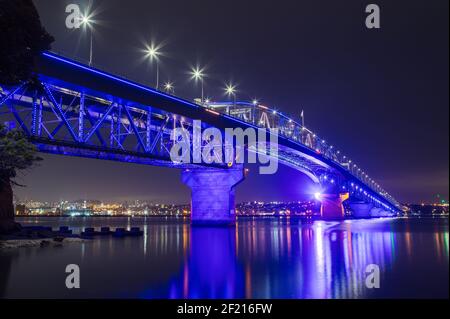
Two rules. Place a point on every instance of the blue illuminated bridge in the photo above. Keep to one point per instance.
(81, 111)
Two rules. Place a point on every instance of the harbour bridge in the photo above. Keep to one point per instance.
(78, 110)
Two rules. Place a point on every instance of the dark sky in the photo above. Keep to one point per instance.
(381, 96)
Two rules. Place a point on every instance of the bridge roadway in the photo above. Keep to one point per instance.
(87, 102)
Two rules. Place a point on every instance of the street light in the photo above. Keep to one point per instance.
(255, 103)
(87, 22)
(230, 89)
(198, 75)
(153, 53)
(168, 87)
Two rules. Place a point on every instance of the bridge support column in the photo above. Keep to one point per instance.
(332, 207)
(212, 199)
(361, 210)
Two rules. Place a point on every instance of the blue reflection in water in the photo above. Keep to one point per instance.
(259, 258)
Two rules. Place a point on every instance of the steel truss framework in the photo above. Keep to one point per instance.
(63, 121)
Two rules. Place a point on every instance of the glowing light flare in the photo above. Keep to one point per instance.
(168, 86)
(230, 89)
(153, 51)
(87, 19)
(197, 73)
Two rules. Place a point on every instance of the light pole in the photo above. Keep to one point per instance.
(153, 54)
(230, 89)
(302, 115)
(87, 22)
(255, 103)
(198, 75)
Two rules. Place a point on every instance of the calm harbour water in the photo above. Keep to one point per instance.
(260, 258)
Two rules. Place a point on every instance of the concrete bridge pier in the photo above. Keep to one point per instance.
(212, 197)
(361, 209)
(331, 207)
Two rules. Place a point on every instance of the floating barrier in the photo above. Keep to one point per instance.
(105, 231)
(87, 233)
(64, 230)
(133, 232)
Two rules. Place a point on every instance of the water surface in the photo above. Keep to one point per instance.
(260, 258)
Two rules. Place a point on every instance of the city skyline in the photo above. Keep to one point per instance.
(94, 207)
(329, 89)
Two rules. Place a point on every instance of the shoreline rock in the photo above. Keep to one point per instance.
(41, 242)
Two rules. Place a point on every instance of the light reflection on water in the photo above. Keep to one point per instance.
(260, 258)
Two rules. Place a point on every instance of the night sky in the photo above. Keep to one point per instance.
(381, 96)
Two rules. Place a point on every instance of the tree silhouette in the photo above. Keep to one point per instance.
(22, 40)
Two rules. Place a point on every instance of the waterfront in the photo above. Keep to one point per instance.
(260, 258)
